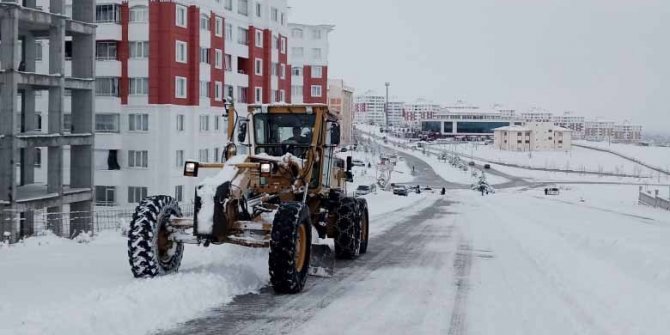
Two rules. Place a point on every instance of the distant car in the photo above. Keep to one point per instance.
(428, 189)
(552, 191)
(364, 189)
(357, 162)
(400, 190)
(487, 166)
(471, 163)
(344, 149)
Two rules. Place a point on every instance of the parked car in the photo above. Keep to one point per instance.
(471, 163)
(357, 162)
(365, 189)
(552, 191)
(400, 190)
(487, 166)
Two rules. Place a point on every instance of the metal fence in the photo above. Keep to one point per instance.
(646, 198)
(17, 225)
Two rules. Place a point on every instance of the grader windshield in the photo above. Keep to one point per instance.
(278, 134)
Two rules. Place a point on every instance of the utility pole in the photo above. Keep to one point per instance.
(386, 105)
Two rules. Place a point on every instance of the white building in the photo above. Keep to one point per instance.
(341, 102)
(464, 121)
(598, 130)
(627, 133)
(308, 56)
(395, 113)
(572, 122)
(533, 136)
(419, 110)
(538, 115)
(370, 108)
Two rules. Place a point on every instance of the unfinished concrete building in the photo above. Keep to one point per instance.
(65, 200)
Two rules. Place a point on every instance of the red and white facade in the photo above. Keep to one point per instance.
(308, 56)
(163, 71)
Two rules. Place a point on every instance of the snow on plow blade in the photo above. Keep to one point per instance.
(322, 261)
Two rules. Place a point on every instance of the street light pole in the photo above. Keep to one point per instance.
(386, 105)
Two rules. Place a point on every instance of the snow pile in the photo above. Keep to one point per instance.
(207, 191)
(57, 286)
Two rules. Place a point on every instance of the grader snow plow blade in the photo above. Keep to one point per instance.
(322, 261)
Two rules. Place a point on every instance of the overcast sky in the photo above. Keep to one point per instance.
(607, 58)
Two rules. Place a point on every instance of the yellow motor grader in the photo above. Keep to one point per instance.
(288, 184)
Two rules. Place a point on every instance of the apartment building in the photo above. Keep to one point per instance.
(627, 133)
(419, 110)
(341, 101)
(370, 108)
(572, 122)
(533, 136)
(164, 70)
(308, 56)
(598, 130)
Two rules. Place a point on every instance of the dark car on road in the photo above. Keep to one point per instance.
(400, 190)
(487, 166)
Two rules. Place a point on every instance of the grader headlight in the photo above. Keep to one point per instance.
(266, 168)
(191, 169)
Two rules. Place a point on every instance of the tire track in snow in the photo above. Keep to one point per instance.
(462, 266)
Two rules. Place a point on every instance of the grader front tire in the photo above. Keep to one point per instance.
(150, 252)
(290, 248)
(348, 224)
(365, 224)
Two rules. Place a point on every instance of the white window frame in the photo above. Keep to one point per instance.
(283, 46)
(179, 193)
(228, 30)
(138, 86)
(204, 22)
(204, 56)
(180, 122)
(316, 34)
(282, 71)
(138, 49)
(204, 123)
(218, 91)
(138, 122)
(218, 59)
(181, 17)
(259, 38)
(218, 31)
(258, 95)
(282, 96)
(258, 66)
(134, 14)
(316, 91)
(179, 159)
(317, 53)
(181, 52)
(177, 93)
(138, 159)
(315, 73)
(204, 89)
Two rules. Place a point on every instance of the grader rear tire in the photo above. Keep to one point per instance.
(365, 224)
(150, 252)
(290, 248)
(348, 224)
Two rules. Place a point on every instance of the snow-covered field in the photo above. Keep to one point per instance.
(52, 285)
(654, 156)
(547, 176)
(545, 266)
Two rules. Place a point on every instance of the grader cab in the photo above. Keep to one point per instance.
(289, 184)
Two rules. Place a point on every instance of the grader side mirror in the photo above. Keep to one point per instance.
(242, 132)
(349, 163)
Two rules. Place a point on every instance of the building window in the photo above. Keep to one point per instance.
(179, 161)
(105, 195)
(139, 49)
(107, 86)
(297, 51)
(38, 50)
(203, 155)
(275, 14)
(180, 87)
(258, 68)
(296, 91)
(218, 29)
(283, 45)
(242, 95)
(275, 69)
(180, 122)
(181, 17)
(228, 4)
(204, 122)
(259, 10)
(138, 122)
(105, 50)
(242, 36)
(139, 14)
(282, 71)
(228, 62)
(204, 55)
(139, 86)
(283, 19)
(218, 59)
(181, 51)
(317, 72)
(218, 91)
(106, 123)
(282, 96)
(204, 22)
(136, 194)
(229, 32)
(316, 53)
(216, 155)
(138, 158)
(296, 71)
(316, 34)
(296, 33)
(107, 14)
(259, 95)
(179, 193)
(316, 90)
(228, 91)
(243, 7)
(37, 161)
(259, 38)
(204, 89)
